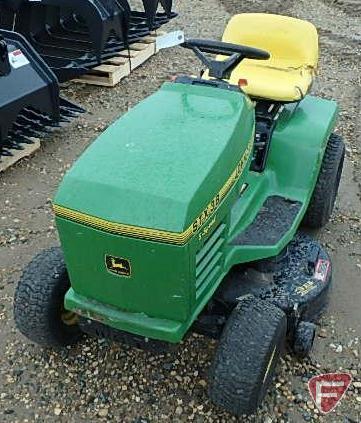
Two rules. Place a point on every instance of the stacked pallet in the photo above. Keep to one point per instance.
(113, 70)
(16, 155)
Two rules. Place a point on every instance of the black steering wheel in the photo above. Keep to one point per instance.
(221, 69)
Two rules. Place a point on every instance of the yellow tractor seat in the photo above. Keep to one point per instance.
(293, 45)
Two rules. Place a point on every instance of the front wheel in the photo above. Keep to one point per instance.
(39, 302)
(250, 346)
(325, 192)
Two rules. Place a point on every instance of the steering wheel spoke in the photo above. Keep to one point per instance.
(220, 69)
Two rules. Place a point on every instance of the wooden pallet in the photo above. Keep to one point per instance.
(28, 150)
(113, 70)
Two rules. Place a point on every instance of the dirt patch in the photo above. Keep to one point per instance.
(350, 7)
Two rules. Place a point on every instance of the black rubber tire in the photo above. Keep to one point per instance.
(325, 192)
(251, 343)
(304, 337)
(39, 301)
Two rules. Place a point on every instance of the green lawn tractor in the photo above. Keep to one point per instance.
(184, 215)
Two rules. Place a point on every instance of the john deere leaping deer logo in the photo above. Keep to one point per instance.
(118, 265)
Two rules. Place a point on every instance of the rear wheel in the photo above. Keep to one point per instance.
(250, 346)
(39, 311)
(324, 195)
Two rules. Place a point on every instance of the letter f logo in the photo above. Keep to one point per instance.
(328, 389)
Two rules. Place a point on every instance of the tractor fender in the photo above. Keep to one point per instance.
(298, 146)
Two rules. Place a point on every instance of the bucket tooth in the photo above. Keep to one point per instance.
(6, 153)
(64, 119)
(64, 103)
(27, 130)
(167, 6)
(150, 10)
(44, 119)
(65, 113)
(32, 114)
(35, 125)
(21, 139)
(16, 146)
(12, 145)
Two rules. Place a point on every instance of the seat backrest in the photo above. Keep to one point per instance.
(291, 42)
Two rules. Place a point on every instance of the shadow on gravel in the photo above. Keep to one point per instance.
(350, 7)
(275, 6)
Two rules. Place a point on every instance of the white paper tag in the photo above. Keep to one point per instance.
(18, 59)
(171, 39)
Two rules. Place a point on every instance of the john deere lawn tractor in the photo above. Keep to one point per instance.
(184, 215)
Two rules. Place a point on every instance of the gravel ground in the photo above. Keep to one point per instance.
(98, 381)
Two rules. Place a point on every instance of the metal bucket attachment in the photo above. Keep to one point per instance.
(167, 6)
(151, 18)
(54, 23)
(74, 36)
(150, 10)
(29, 103)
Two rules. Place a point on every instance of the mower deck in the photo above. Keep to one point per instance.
(297, 281)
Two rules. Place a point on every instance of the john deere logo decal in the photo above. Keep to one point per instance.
(118, 265)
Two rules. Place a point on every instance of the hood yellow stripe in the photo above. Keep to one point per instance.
(178, 238)
(121, 229)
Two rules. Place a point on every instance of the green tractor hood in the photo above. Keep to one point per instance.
(162, 163)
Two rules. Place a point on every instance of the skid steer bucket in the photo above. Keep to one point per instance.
(167, 6)
(150, 10)
(151, 17)
(67, 34)
(73, 37)
(29, 102)
(8, 9)
(44, 22)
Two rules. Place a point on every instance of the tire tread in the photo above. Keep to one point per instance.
(236, 376)
(321, 206)
(38, 296)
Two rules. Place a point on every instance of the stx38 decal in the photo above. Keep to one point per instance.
(177, 238)
(206, 213)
